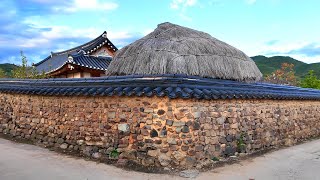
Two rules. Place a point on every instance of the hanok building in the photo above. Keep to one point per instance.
(88, 60)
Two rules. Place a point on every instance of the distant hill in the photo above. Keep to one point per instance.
(269, 65)
(7, 68)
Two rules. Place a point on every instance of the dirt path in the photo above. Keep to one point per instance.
(294, 163)
(23, 161)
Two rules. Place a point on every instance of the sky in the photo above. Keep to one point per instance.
(257, 27)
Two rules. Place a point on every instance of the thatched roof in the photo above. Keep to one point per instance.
(173, 49)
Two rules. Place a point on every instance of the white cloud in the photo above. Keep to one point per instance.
(283, 47)
(59, 38)
(292, 49)
(304, 58)
(179, 4)
(185, 17)
(147, 31)
(34, 42)
(119, 35)
(49, 39)
(59, 34)
(46, 38)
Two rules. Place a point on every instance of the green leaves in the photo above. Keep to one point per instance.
(25, 71)
(310, 81)
(2, 74)
(114, 154)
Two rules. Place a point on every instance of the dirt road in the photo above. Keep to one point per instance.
(23, 161)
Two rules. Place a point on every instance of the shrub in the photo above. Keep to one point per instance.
(310, 81)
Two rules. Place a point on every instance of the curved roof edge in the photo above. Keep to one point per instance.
(167, 85)
(87, 61)
(89, 46)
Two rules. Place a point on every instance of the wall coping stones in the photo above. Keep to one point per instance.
(170, 85)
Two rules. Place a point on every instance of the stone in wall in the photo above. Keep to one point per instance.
(158, 131)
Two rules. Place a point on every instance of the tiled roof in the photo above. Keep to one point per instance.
(93, 62)
(57, 59)
(80, 59)
(172, 86)
(51, 63)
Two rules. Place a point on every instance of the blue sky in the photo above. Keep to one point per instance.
(266, 27)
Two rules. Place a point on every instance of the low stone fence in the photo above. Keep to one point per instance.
(155, 130)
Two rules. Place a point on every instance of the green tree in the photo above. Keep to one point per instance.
(310, 81)
(2, 74)
(24, 71)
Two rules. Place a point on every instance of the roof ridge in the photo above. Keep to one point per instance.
(36, 64)
(85, 48)
(81, 46)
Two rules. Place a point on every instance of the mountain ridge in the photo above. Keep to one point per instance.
(267, 65)
(7, 68)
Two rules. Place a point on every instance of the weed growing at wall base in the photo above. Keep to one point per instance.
(114, 154)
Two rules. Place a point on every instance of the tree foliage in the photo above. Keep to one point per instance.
(24, 71)
(310, 81)
(7, 68)
(284, 75)
(2, 74)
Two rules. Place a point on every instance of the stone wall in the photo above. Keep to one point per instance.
(158, 131)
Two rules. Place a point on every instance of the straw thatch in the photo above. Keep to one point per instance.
(173, 49)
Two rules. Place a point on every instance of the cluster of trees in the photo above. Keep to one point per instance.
(286, 75)
(24, 71)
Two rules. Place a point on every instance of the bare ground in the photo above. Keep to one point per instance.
(25, 161)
